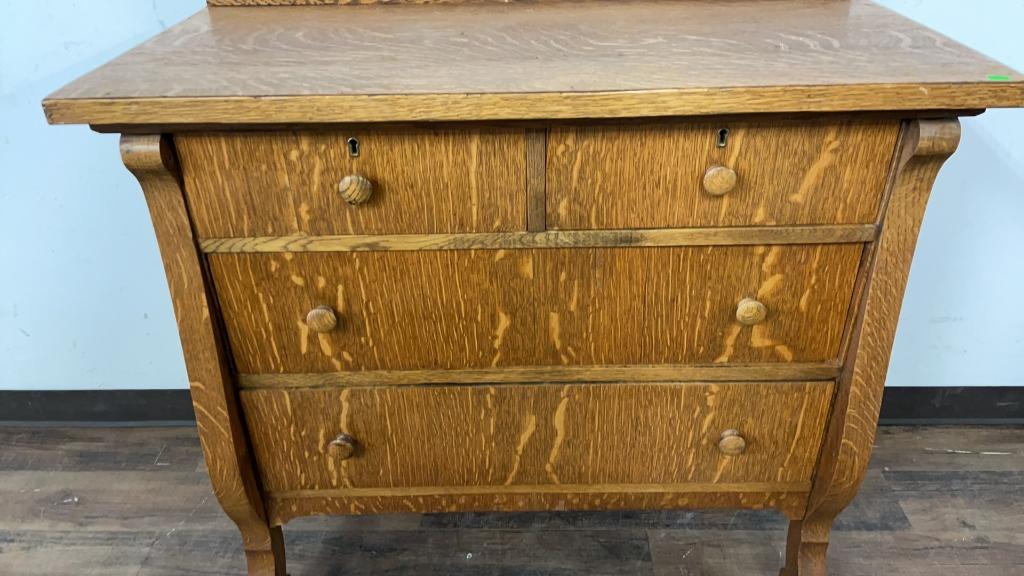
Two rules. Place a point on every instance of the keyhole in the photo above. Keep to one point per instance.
(353, 147)
(723, 137)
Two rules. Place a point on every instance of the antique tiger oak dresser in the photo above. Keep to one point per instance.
(486, 255)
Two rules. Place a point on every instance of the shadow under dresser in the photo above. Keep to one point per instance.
(479, 255)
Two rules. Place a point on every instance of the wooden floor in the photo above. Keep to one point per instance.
(939, 501)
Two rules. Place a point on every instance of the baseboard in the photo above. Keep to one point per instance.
(900, 406)
(99, 407)
(962, 405)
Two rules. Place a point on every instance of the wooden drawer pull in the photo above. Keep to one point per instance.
(719, 180)
(355, 189)
(750, 312)
(343, 447)
(321, 319)
(731, 443)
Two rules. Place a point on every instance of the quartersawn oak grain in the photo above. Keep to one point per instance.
(424, 181)
(584, 437)
(507, 308)
(151, 159)
(533, 60)
(851, 430)
(650, 176)
(454, 270)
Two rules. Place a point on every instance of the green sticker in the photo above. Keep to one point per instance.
(998, 77)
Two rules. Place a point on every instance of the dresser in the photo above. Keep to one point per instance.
(546, 255)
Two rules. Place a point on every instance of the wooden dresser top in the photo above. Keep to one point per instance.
(491, 61)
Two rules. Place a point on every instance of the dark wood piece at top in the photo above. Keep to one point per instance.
(534, 60)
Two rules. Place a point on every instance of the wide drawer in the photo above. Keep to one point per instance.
(397, 310)
(597, 435)
(723, 173)
(402, 181)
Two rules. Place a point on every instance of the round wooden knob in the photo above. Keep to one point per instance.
(750, 312)
(355, 189)
(719, 180)
(343, 447)
(321, 319)
(731, 443)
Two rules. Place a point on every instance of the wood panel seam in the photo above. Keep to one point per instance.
(414, 491)
(553, 375)
(536, 179)
(152, 160)
(728, 236)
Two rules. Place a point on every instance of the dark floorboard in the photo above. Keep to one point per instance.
(943, 501)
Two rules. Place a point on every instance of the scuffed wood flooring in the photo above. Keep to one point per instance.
(136, 501)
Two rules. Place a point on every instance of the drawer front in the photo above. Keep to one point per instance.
(420, 181)
(583, 434)
(536, 307)
(653, 176)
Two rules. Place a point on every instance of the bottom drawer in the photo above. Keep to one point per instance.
(636, 436)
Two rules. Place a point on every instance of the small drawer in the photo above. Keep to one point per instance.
(724, 173)
(632, 435)
(396, 181)
(433, 309)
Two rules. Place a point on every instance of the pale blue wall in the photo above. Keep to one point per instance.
(959, 326)
(83, 303)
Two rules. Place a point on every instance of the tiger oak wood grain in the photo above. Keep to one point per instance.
(652, 176)
(526, 287)
(396, 310)
(864, 275)
(647, 306)
(578, 437)
(533, 60)
(424, 181)
(152, 161)
(506, 308)
(851, 430)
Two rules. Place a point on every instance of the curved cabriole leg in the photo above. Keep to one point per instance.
(152, 160)
(925, 146)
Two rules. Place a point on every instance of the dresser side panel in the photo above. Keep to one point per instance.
(225, 445)
(850, 437)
